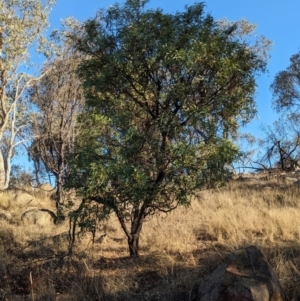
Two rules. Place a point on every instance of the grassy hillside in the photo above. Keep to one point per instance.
(178, 250)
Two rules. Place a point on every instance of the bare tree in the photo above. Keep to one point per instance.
(281, 145)
(58, 98)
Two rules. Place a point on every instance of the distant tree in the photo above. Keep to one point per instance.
(58, 98)
(280, 147)
(286, 87)
(165, 93)
(20, 178)
(21, 25)
(284, 137)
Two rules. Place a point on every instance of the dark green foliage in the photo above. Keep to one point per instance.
(165, 92)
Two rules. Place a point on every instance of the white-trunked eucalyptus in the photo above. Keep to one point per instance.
(22, 23)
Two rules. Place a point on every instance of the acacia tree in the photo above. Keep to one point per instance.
(21, 25)
(58, 97)
(164, 94)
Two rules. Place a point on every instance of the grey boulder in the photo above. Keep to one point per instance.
(245, 276)
(40, 217)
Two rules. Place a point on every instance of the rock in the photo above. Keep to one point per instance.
(45, 191)
(246, 275)
(47, 187)
(41, 217)
(23, 198)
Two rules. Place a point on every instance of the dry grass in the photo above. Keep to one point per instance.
(177, 250)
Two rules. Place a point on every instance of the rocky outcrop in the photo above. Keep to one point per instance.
(23, 198)
(45, 191)
(41, 217)
(245, 276)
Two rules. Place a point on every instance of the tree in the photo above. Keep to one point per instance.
(58, 98)
(286, 86)
(20, 178)
(21, 25)
(164, 94)
(285, 136)
(281, 145)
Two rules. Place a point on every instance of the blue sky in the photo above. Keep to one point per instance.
(277, 20)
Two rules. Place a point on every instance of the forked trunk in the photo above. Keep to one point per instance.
(133, 238)
(133, 244)
(133, 235)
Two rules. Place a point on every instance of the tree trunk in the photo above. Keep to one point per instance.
(5, 168)
(59, 198)
(136, 227)
(2, 173)
(133, 244)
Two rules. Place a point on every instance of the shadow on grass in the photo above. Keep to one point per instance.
(150, 277)
(168, 276)
(285, 260)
